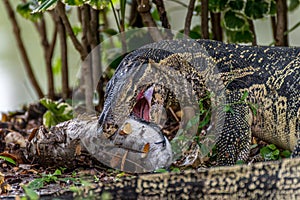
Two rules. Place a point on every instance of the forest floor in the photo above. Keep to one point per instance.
(24, 179)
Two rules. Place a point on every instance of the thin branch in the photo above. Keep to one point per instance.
(274, 26)
(53, 41)
(48, 58)
(163, 16)
(204, 19)
(60, 9)
(23, 52)
(94, 27)
(188, 18)
(64, 56)
(87, 64)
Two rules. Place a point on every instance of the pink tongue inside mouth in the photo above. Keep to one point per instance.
(143, 103)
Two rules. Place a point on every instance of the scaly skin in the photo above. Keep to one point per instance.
(266, 180)
(270, 75)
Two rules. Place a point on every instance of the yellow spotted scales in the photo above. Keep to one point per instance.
(189, 69)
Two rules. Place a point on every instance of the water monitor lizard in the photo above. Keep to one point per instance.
(269, 76)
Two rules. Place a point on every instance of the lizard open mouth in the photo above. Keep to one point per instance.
(142, 106)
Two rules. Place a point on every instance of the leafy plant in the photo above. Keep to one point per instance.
(56, 112)
(46, 178)
(30, 194)
(271, 152)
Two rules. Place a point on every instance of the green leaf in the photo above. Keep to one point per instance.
(45, 5)
(266, 153)
(240, 162)
(49, 119)
(110, 32)
(272, 9)
(205, 121)
(57, 172)
(240, 36)
(76, 30)
(228, 108)
(36, 184)
(122, 8)
(99, 4)
(217, 5)
(56, 112)
(272, 147)
(161, 170)
(30, 193)
(7, 159)
(56, 67)
(75, 2)
(286, 154)
(155, 15)
(25, 10)
(276, 152)
(237, 5)
(245, 95)
(175, 169)
(193, 34)
(256, 9)
(197, 9)
(234, 21)
(270, 152)
(253, 108)
(293, 5)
